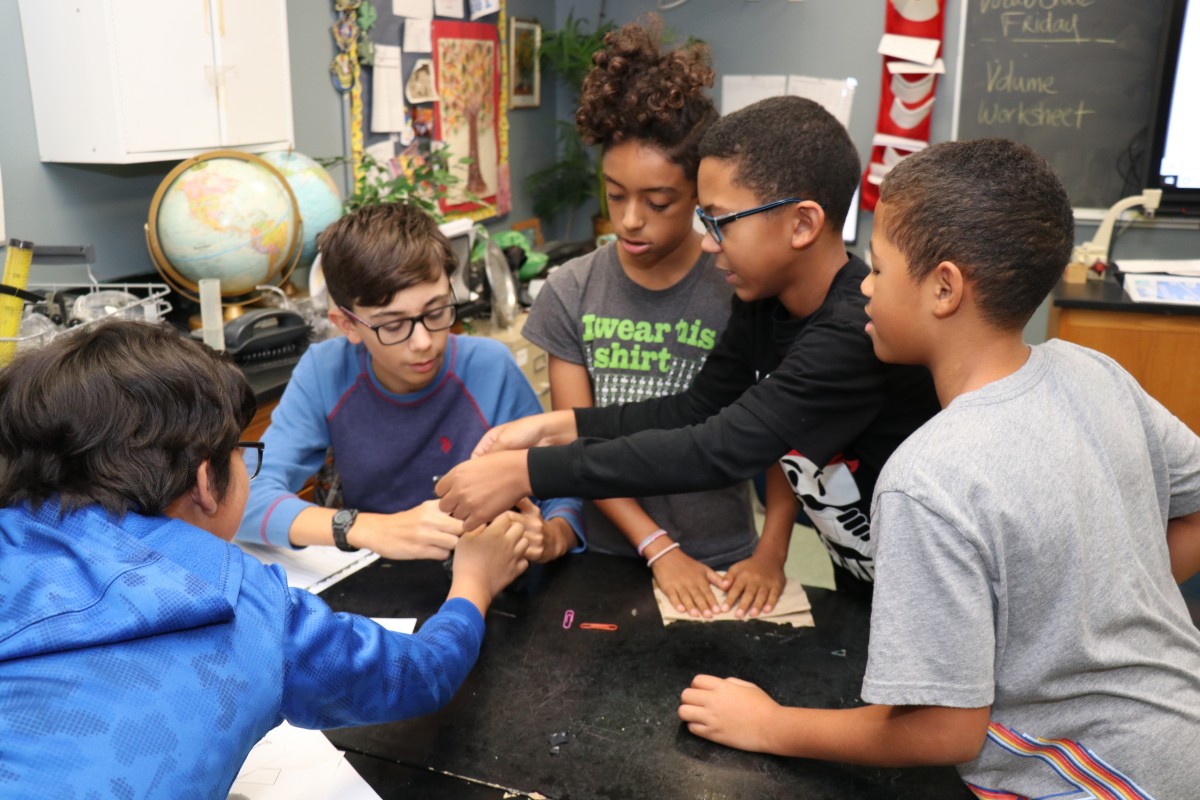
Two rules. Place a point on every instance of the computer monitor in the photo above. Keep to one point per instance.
(1174, 164)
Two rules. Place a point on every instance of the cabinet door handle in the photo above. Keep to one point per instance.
(221, 16)
(207, 18)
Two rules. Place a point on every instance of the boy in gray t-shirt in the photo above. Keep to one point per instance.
(1027, 624)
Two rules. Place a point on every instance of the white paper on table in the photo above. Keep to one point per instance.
(938, 67)
(481, 8)
(389, 114)
(292, 763)
(1186, 267)
(450, 8)
(739, 91)
(418, 36)
(909, 48)
(835, 96)
(312, 568)
(398, 624)
(421, 9)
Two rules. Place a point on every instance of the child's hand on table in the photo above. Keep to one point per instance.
(685, 581)
(755, 585)
(728, 711)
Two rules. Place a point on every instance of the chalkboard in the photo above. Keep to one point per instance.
(1074, 79)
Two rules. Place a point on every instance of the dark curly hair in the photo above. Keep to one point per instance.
(789, 147)
(120, 414)
(637, 91)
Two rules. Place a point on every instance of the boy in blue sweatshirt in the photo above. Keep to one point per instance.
(142, 654)
(398, 398)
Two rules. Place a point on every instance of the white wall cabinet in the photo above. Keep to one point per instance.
(126, 81)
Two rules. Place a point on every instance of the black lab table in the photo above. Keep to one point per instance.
(613, 693)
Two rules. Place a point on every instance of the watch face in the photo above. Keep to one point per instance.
(342, 517)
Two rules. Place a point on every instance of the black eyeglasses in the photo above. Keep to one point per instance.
(258, 448)
(400, 329)
(713, 224)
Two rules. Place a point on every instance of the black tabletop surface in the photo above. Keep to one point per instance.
(613, 694)
(1109, 295)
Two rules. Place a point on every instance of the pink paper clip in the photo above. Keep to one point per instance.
(568, 618)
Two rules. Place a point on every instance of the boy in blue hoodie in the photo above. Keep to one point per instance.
(142, 654)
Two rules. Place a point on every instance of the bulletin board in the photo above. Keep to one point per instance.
(1071, 80)
(468, 115)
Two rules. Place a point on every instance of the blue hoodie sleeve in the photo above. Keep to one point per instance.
(343, 669)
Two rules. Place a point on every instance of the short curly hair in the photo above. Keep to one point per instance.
(637, 91)
(996, 209)
(120, 415)
(789, 147)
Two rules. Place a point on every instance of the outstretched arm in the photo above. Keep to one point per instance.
(738, 714)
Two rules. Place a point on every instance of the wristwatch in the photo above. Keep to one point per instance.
(342, 521)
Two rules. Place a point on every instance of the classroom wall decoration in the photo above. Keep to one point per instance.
(467, 63)
(524, 66)
(912, 44)
(450, 89)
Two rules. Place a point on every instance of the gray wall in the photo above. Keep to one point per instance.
(107, 206)
(838, 39)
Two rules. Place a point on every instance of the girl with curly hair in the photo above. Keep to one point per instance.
(636, 318)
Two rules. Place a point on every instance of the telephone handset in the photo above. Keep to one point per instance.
(269, 331)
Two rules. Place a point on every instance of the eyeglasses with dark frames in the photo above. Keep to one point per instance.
(258, 448)
(400, 329)
(713, 224)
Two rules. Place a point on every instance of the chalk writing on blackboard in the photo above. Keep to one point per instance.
(1071, 78)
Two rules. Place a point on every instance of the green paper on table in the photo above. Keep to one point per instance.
(792, 609)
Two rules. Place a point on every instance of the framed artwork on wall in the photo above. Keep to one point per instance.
(524, 66)
(468, 115)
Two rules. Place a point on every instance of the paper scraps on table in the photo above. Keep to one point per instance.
(792, 609)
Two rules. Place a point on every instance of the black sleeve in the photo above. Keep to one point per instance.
(826, 391)
(727, 373)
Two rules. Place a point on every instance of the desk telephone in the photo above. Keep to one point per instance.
(266, 336)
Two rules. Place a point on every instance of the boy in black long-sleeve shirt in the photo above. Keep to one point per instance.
(794, 378)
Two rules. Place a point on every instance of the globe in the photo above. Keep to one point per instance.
(227, 215)
(317, 197)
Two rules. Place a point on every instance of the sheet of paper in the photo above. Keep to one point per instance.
(449, 8)
(835, 96)
(909, 48)
(389, 114)
(398, 624)
(792, 609)
(418, 36)
(421, 9)
(481, 8)
(312, 568)
(739, 91)
(1188, 267)
(292, 763)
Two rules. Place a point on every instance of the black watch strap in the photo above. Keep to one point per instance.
(342, 522)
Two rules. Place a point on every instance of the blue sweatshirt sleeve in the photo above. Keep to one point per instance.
(296, 442)
(501, 389)
(343, 669)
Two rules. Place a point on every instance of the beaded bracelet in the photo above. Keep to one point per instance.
(661, 553)
(641, 548)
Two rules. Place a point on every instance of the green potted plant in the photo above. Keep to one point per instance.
(427, 180)
(575, 178)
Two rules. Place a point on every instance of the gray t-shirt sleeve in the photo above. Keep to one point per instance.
(1180, 449)
(553, 318)
(931, 587)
